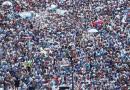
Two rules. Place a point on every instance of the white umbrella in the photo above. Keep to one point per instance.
(61, 12)
(25, 14)
(46, 49)
(93, 30)
(34, 13)
(43, 52)
(7, 3)
(118, 8)
(37, 15)
(53, 6)
(99, 8)
(118, 16)
(57, 46)
(65, 65)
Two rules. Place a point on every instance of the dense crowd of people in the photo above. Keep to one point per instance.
(38, 53)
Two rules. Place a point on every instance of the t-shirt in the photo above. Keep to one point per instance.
(28, 63)
(67, 54)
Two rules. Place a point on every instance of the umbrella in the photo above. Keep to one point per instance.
(98, 22)
(46, 49)
(61, 12)
(99, 8)
(52, 9)
(53, 6)
(25, 14)
(65, 65)
(7, 3)
(93, 30)
(57, 46)
(118, 8)
(118, 16)
(37, 15)
(34, 13)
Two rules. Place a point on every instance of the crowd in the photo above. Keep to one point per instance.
(38, 53)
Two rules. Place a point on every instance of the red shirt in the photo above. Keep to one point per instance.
(17, 8)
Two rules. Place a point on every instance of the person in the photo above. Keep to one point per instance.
(28, 66)
(17, 83)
